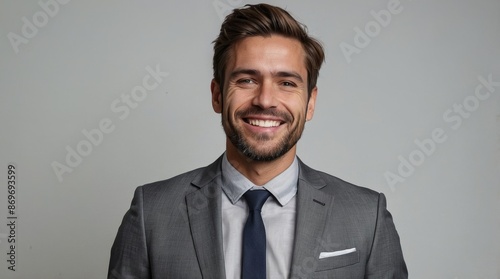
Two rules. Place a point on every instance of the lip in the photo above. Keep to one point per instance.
(262, 129)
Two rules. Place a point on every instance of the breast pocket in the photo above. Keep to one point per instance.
(338, 261)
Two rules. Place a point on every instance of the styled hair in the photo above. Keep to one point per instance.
(265, 20)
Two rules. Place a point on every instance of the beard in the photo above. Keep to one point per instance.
(252, 151)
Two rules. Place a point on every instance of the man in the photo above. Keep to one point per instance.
(309, 225)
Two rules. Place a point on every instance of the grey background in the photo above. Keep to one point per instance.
(369, 112)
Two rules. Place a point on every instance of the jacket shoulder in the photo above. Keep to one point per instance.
(338, 187)
(180, 180)
(181, 184)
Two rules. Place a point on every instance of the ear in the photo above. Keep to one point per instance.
(311, 104)
(216, 96)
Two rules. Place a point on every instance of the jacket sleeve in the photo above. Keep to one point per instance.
(386, 257)
(129, 256)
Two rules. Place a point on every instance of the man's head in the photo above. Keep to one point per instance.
(265, 72)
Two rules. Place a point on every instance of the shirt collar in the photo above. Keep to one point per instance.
(283, 187)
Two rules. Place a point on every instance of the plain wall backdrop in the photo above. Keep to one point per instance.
(99, 97)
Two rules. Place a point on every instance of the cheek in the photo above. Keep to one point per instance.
(296, 106)
(234, 102)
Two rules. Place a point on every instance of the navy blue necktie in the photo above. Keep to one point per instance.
(254, 237)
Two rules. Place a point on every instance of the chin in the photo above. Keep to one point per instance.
(266, 155)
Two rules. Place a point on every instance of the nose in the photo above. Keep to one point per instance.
(265, 96)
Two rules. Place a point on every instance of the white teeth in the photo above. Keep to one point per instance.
(264, 123)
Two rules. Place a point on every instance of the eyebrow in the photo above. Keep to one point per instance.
(289, 74)
(253, 72)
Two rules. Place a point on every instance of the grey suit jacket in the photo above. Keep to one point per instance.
(173, 229)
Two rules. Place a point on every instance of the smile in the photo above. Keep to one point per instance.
(263, 123)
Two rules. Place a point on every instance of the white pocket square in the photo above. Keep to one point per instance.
(323, 255)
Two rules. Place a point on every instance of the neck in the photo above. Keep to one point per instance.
(259, 172)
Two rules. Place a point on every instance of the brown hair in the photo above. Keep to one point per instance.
(265, 20)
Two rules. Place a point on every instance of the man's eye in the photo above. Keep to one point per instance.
(288, 83)
(245, 81)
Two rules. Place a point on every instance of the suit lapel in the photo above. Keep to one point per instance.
(204, 213)
(313, 207)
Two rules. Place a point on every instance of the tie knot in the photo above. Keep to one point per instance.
(256, 198)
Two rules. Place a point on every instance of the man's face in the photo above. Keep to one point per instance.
(265, 103)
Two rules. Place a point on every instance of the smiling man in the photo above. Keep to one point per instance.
(264, 105)
(258, 211)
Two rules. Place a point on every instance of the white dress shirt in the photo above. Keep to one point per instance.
(278, 214)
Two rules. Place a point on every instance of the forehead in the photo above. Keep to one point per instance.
(270, 53)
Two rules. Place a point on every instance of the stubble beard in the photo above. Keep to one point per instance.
(283, 145)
